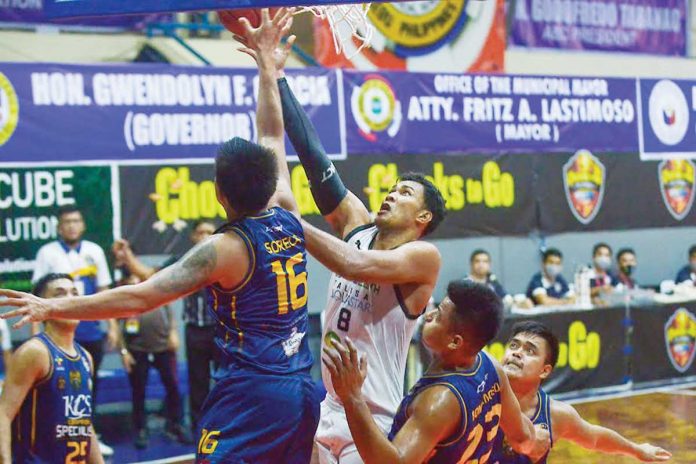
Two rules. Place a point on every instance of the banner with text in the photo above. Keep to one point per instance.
(460, 113)
(484, 196)
(29, 201)
(640, 26)
(141, 112)
(32, 12)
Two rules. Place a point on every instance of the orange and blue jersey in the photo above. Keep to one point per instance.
(478, 393)
(54, 423)
(263, 408)
(504, 454)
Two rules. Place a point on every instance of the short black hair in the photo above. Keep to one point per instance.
(551, 252)
(434, 202)
(478, 309)
(543, 331)
(692, 250)
(624, 251)
(41, 284)
(476, 252)
(246, 173)
(599, 245)
(67, 209)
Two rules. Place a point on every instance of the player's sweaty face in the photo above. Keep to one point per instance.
(436, 330)
(402, 205)
(525, 356)
(62, 288)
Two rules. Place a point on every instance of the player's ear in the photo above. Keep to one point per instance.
(424, 217)
(456, 343)
(546, 372)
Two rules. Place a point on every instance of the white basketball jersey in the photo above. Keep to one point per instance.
(372, 316)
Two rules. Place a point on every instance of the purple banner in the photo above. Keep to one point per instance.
(460, 113)
(32, 12)
(144, 111)
(639, 26)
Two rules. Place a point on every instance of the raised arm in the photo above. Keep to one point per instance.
(414, 262)
(220, 258)
(435, 414)
(340, 207)
(518, 429)
(567, 424)
(30, 363)
(263, 44)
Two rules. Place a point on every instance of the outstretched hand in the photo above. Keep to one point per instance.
(650, 453)
(347, 369)
(263, 43)
(30, 307)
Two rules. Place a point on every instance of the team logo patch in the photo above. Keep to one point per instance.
(680, 338)
(668, 112)
(583, 180)
(677, 178)
(9, 109)
(417, 28)
(75, 379)
(61, 383)
(375, 108)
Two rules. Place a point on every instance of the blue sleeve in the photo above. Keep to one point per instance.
(683, 275)
(533, 285)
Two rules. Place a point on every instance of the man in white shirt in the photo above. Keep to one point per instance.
(86, 263)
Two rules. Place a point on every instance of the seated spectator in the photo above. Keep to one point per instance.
(480, 272)
(548, 287)
(688, 273)
(151, 339)
(626, 259)
(602, 281)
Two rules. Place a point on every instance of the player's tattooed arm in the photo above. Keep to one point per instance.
(221, 258)
(569, 425)
(29, 364)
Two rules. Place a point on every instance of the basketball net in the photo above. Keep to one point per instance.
(346, 21)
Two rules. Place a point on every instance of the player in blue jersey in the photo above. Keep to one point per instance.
(263, 408)
(46, 401)
(453, 412)
(531, 353)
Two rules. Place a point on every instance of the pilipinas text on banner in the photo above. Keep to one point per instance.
(668, 118)
(74, 8)
(638, 26)
(447, 35)
(461, 113)
(144, 112)
(29, 202)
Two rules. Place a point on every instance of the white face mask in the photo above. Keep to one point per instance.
(553, 270)
(603, 262)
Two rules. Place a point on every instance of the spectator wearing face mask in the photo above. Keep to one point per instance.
(602, 281)
(687, 274)
(548, 287)
(626, 260)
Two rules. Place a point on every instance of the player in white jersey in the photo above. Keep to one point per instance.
(376, 294)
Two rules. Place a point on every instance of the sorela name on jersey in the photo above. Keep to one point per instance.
(285, 243)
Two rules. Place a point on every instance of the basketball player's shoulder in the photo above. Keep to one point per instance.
(32, 355)
(438, 398)
(564, 417)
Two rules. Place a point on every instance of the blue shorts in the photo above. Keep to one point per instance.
(255, 418)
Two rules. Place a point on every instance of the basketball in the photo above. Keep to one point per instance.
(230, 18)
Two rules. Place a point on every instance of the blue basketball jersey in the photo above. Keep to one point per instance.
(504, 454)
(54, 423)
(478, 394)
(263, 321)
